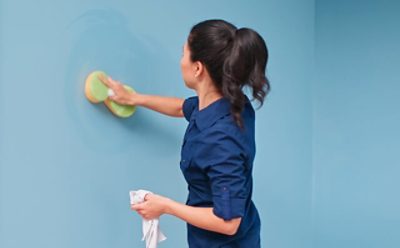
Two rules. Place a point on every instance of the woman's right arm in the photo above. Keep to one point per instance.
(170, 106)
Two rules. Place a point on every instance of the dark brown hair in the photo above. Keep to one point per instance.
(234, 58)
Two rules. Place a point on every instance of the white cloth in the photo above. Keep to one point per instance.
(110, 92)
(151, 231)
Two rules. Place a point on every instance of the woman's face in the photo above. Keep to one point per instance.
(188, 67)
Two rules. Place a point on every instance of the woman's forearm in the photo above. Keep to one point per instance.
(171, 106)
(202, 217)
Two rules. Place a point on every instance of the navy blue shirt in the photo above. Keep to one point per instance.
(217, 161)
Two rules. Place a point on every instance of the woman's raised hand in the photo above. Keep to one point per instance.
(121, 95)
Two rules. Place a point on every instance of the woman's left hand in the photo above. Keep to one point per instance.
(153, 206)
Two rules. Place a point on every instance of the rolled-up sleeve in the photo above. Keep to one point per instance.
(228, 177)
(188, 106)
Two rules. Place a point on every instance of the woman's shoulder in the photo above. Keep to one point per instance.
(189, 105)
(228, 125)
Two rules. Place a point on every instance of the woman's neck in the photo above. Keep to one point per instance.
(208, 95)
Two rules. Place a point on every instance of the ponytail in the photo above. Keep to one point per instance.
(235, 58)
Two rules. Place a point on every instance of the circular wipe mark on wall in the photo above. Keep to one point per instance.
(101, 40)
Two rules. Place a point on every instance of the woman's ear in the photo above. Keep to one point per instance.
(198, 69)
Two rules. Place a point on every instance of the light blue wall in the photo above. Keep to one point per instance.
(356, 125)
(67, 165)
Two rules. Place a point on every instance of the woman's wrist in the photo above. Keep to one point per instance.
(136, 99)
(168, 206)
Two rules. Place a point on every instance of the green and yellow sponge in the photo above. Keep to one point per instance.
(96, 91)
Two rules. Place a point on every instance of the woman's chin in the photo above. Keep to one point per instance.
(189, 85)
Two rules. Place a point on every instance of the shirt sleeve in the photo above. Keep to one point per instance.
(189, 105)
(228, 177)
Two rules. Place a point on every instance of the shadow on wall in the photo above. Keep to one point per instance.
(102, 40)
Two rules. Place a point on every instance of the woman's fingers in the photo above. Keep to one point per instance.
(147, 197)
(140, 210)
(114, 83)
(109, 82)
(145, 210)
(137, 207)
(120, 95)
(105, 81)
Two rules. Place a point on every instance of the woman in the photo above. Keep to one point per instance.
(218, 149)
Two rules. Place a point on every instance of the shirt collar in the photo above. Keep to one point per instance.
(209, 115)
